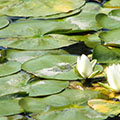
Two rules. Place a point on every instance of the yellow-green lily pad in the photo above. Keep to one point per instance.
(107, 107)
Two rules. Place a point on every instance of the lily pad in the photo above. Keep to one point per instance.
(111, 37)
(13, 83)
(52, 41)
(40, 7)
(83, 113)
(107, 107)
(9, 67)
(105, 55)
(52, 66)
(86, 19)
(22, 56)
(112, 4)
(109, 22)
(3, 22)
(59, 101)
(46, 87)
(31, 27)
(93, 40)
(9, 106)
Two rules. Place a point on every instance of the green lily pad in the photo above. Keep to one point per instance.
(73, 113)
(9, 67)
(109, 22)
(22, 56)
(68, 98)
(112, 4)
(111, 37)
(106, 55)
(9, 106)
(52, 66)
(86, 19)
(3, 22)
(13, 83)
(40, 7)
(52, 41)
(46, 87)
(115, 12)
(92, 40)
(31, 27)
(107, 107)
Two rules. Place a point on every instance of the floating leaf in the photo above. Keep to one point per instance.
(112, 4)
(52, 66)
(52, 41)
(111, 37)
(86, 19)
(9, 106)
(105, 55)
(9, 67)
(66, 99)
(92, 40)
(46, 87)
(13, 83)
(39, 7)
(107, 107)
(22, 56)
(82, 113)
(3, 22)
(108, 22)
(31, 27)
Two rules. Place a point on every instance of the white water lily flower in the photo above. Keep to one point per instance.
(113, 76)
(85, 67)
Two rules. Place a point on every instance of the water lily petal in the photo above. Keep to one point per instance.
(84, 66)
(113, 77)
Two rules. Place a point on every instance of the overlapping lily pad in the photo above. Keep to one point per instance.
(52, 41)
(13, 83)
(106, 55)
(39, 7)
(86, 19)
(22, 56)
(9, 67)
(31, 27)
(111, 37)
(59, 101)
(107, 107)
(112, 4)
(81, 113)
(20, 83)
(46, 87)
(52, 66)
(9, 106)
(3, 22)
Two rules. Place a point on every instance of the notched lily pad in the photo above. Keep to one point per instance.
(9, 67)
(52, 41)
(52, 66)
(107, 107)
